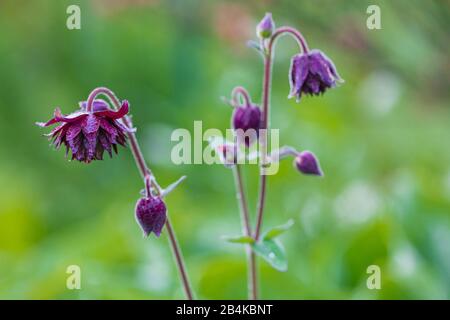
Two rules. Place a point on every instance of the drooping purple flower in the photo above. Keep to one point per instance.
(307, 163)
(88, 134)
(312, 73)
(247, 120)
(265, 28)
(151, 215)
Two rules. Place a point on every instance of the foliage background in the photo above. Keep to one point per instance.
(382, 139)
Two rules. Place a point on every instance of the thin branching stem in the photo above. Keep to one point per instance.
(146, 173)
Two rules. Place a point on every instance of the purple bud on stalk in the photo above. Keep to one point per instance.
(312, 73)
(265, 28)
(307, 163)
(247, 119)
(151, 215)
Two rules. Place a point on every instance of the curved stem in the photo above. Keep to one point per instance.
(146, 173)
(245, 219)
(294, 33)
(240, 91)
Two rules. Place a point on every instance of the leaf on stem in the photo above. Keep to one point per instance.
(271, 251)
(240, 239)
(278, 230)
(172, 187)
(255, 45)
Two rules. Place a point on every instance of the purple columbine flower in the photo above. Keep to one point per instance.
(248, 120)
(307, 163)
(89, 134)
(151, 215)
(312, 73)
(265, 28)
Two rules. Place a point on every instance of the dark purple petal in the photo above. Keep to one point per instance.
(60, 137)
(298, 74)
(97, 105)
(105, 142)
(90, 143)
(319, 66)
(90, 124)
(312, 84)
(110, 130)
(111, 114)
(76, 144)
(123, 127)
(73, 130)
(59, 117)
(55, 130)
(327, 61)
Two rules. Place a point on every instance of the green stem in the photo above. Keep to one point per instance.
(252, 279)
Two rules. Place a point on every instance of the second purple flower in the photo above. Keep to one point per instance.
(312, 73)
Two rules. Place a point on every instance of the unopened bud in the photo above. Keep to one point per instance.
(307, 163)
(265, 28)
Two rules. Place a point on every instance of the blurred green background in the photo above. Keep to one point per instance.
(382, 138)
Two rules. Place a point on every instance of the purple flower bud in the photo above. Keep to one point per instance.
(312, 73)
(151, 215)
(89, 134)
(307, 163)
(248, 120)
(265, 28)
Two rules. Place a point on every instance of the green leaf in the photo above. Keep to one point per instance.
(240, 239)
(271, 251)
(276, 231)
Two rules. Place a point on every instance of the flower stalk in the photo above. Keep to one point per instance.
(311, 73)
(147, 175)
(252, 282)
(267, 79)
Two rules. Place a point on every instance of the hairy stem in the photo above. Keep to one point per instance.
(268, 61)
(263, 141)
(245, 219)
(146, 173)
(240, 91)
(292, 32)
